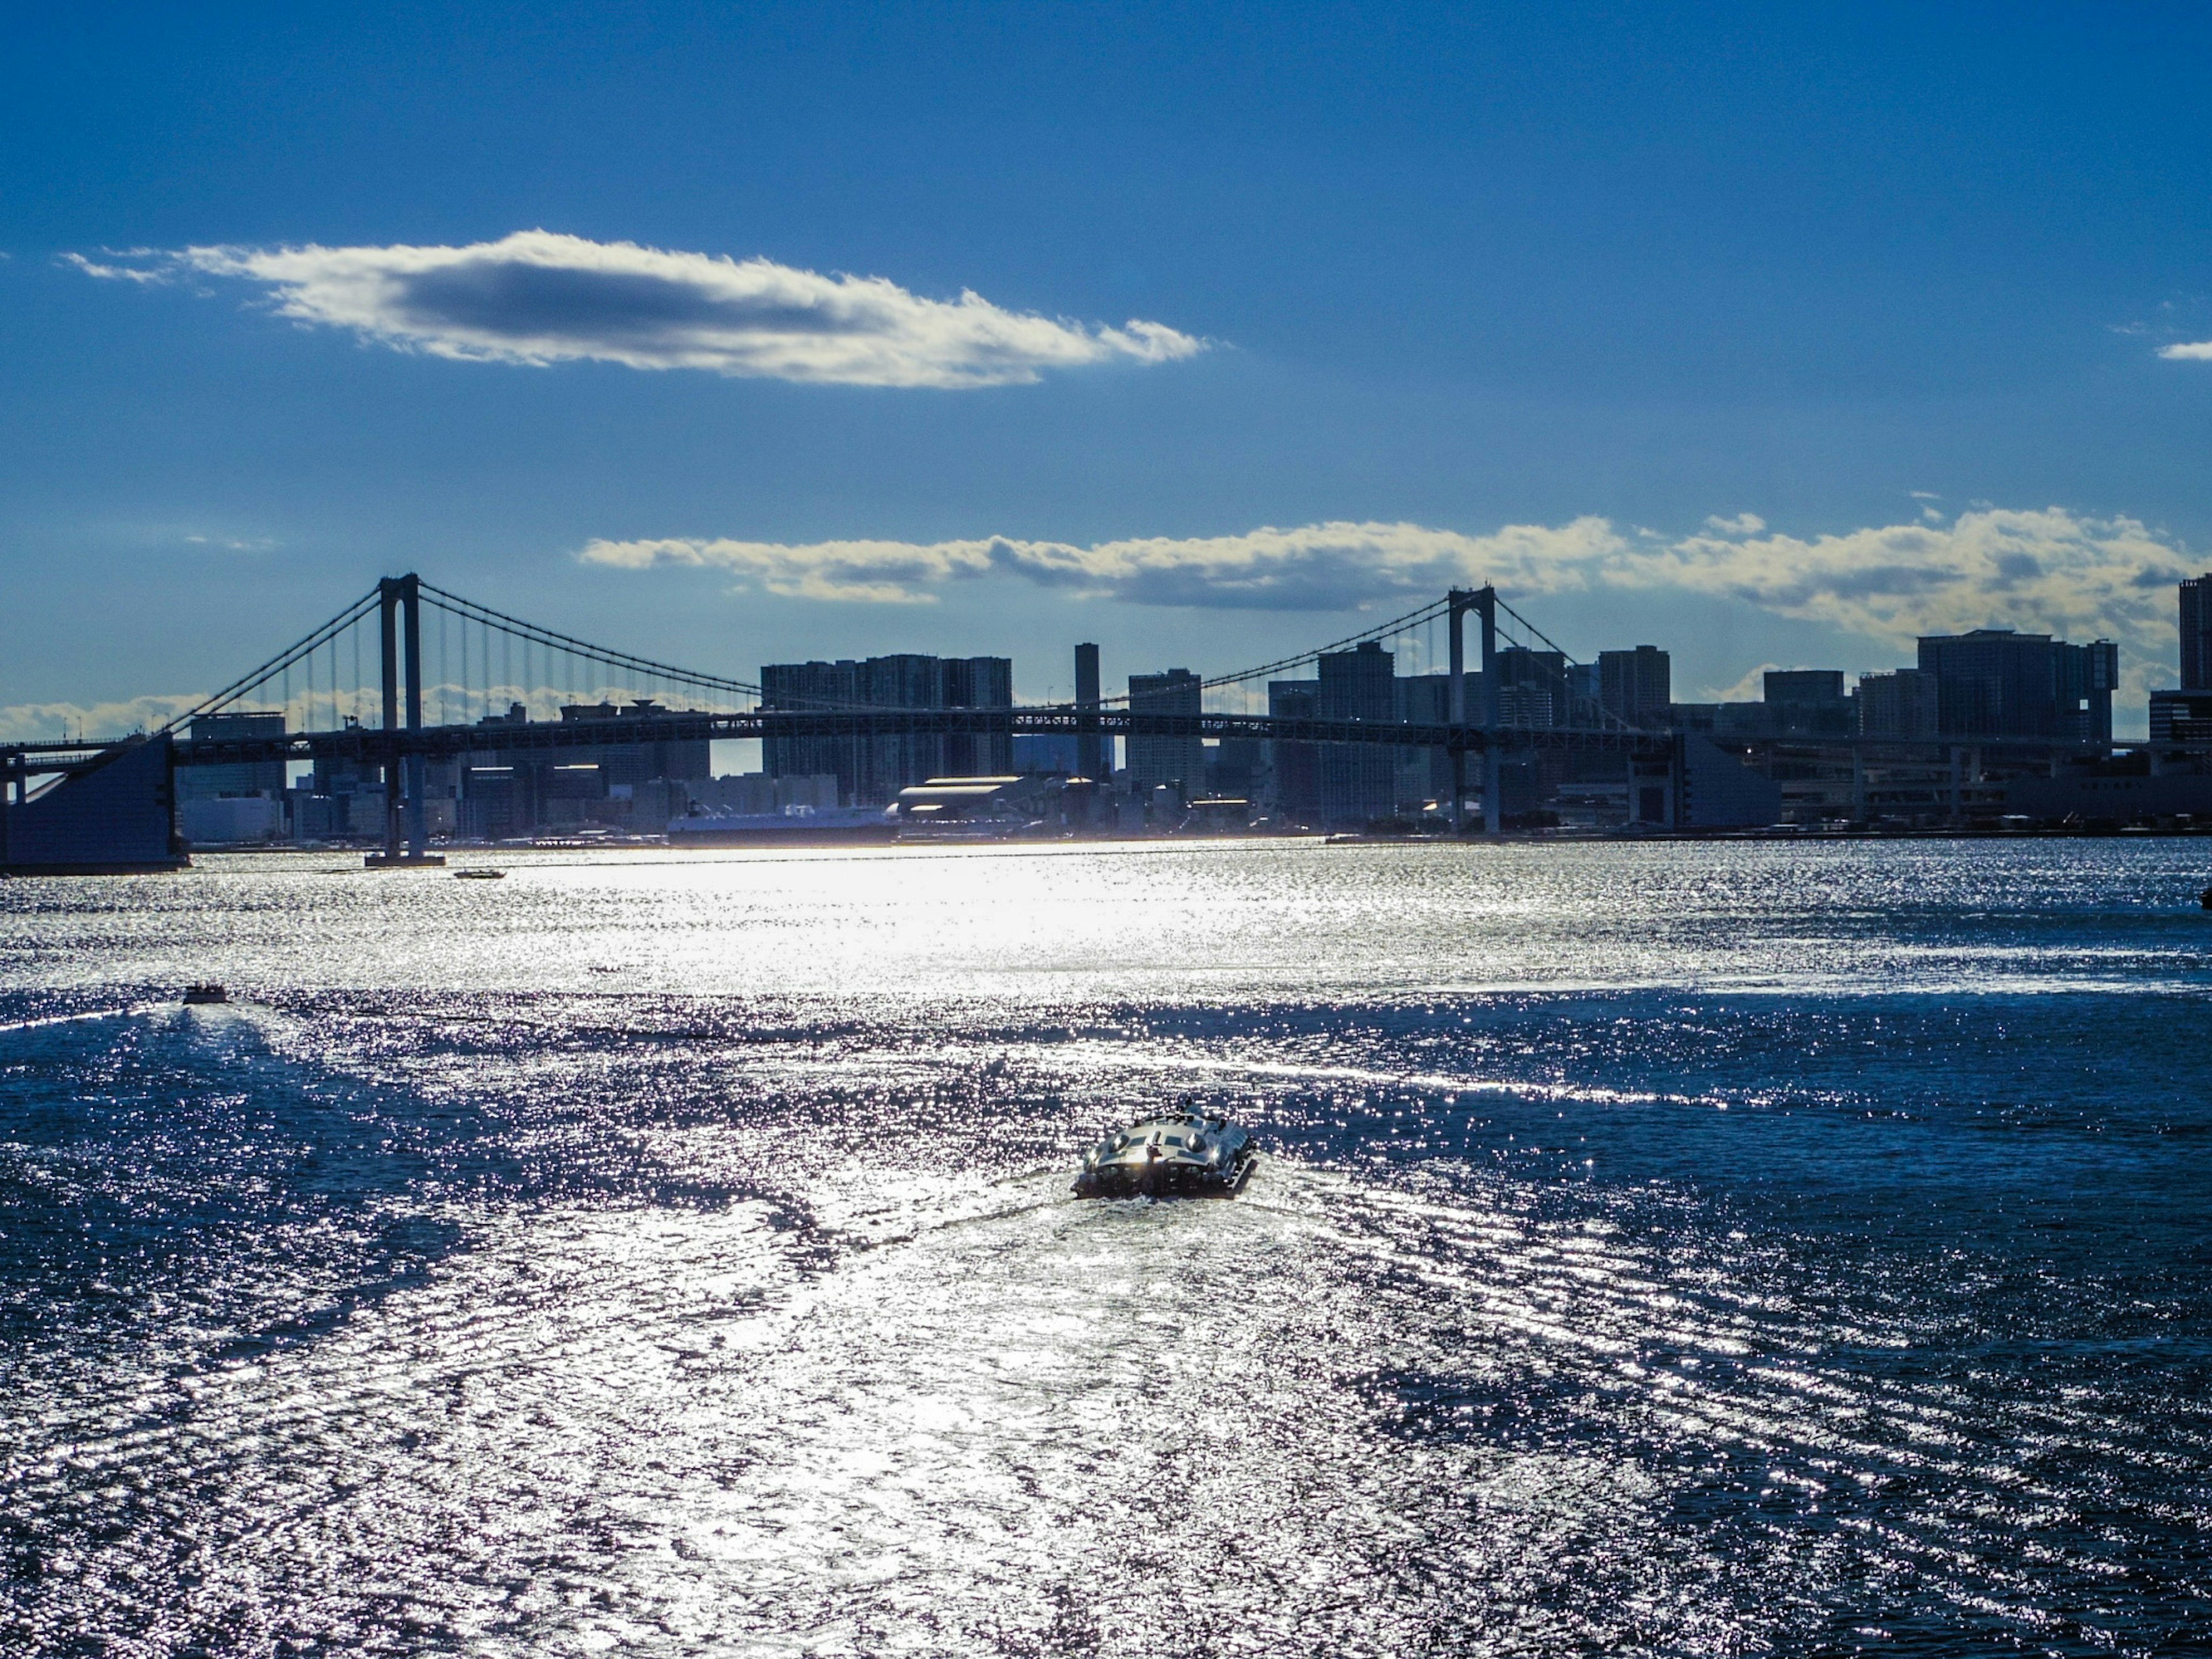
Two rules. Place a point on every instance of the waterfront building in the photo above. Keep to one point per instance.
(1807, 702)
(1899, 706)
(621, 779)
(1636, 687)
(1234, 769)
(1997, 683)
(1093, 759)
(1425, 774)
(1584, 701)
(872, 770)
(2182, 718)
(2196, 596)
(1359, 781)
(1296, 765)
(1153, 760)
(234, 779)
(1533, 687)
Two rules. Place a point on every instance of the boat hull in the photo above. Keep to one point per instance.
(1179, 1156)
(1163, 1180)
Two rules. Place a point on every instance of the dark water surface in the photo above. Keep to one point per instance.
(1665, 1250)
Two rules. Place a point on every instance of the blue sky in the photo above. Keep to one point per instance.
(1767, 335)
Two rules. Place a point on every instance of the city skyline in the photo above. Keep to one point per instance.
(1811, 338)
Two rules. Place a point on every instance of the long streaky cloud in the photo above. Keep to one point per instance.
(2188, 351)
(1322, 566)
(537, 298)
(2049, 569)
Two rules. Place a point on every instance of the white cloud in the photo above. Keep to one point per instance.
(109, 273)
(2050, 570)
(537, 298)
(2197, 352)
(1744, 524)
(1323, 567)
(37, 722)
(1752, 688)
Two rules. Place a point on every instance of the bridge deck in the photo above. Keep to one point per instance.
(447, 742)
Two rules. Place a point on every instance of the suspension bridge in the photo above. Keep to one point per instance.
(409, 673)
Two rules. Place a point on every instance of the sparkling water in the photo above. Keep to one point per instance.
(1669, 1248)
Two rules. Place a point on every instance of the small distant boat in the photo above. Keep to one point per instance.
(206, 991)
(1179, 1155)
(479, 875)
(2204, 898)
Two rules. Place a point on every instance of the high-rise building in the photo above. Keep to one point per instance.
(814, 686)
(1583, 704)
(1166, 758)
(872, 770)
(978, 682)
(1359, 781)
(2197, 634)
(1089, 749)
(1997, 683)
(1807, 702)
(1296, 765)
(233, 778)
(1901, 707)
(1636, 687)
(1424, 772)
(1532, 687)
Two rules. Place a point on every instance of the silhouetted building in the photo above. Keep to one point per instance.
(1234, 768)
(1297, 765)
(1997, 683)
(1091, 748)
(872, 770)
(232, 779)
(1584, 699)
(627, 761)
(1636, 687)
(497, 802)
(1425, 774)
(1357, 780)
(1532, 688)
(2183, 718)
(1899, 706)
(2197, 634)
(1157, 758)
(1807, 702)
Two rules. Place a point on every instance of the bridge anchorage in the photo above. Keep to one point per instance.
(408, 676)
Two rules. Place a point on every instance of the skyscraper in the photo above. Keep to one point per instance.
(1090, 751)
(235, 777)
(1297, 765)
(1901, 705)
(1532, 687)
(2197, 634)
(1636, 687)
(1994, 682)
(1156, 759)
(874, 769)
(1359, 781)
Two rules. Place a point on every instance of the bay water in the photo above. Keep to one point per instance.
(1668, 1249)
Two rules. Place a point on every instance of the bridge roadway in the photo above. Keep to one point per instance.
(375, 744)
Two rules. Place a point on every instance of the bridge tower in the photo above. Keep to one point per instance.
(1483, 601)
(399, 614)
